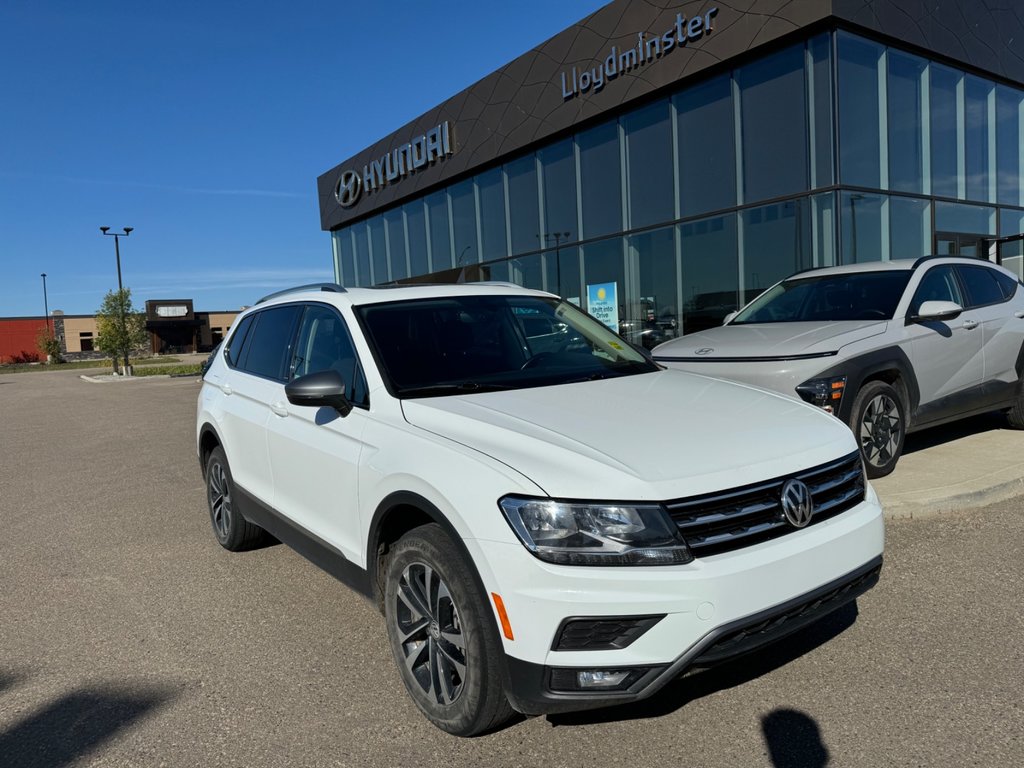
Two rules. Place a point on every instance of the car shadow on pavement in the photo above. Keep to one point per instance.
(793, 739)
(947, 433)
(75, 725)
(697, 685)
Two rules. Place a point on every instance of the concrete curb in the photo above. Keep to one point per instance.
(108, 379)
(907, 509)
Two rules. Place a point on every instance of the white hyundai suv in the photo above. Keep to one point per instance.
(889, 347)
(548, 520)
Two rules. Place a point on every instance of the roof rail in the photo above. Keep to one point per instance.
(327, 287)
(923, 259)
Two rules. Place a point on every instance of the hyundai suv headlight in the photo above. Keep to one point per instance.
(824, 393)
(585, 533)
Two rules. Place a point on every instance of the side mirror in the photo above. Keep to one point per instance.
(319, 390)
(937, 310)
(729, 318)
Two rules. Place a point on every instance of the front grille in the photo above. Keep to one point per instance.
(740, 517)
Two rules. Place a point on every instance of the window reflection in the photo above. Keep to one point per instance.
(562, 272)
(706, 125)
(1010, 145)
(491, 188)
(378, 251)
(774, 125)
(653, 315)
(523, 205)
(463, 199)
(859, 113)
(976, 134)
(775, 242)
(649, 163)
(441, 256)
(906, 121)
(362, 243)
(862, 224)
(710, 274)
(395, 223)
(600, 181)
(416, 223)
(558, 166)
(946, 152)
(910, 227)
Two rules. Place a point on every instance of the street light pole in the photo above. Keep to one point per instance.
(46, 306)
(120, 286)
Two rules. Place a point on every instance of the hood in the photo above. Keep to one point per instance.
(769, 340)
(654, 436)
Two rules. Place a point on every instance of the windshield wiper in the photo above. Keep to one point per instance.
(451, 388)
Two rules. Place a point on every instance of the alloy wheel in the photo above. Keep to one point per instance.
(430, 633)
(219, 494)
(880, 430)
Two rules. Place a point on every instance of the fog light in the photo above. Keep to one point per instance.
(568, 679)
(601, 678)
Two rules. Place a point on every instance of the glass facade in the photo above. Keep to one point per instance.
(836, 150)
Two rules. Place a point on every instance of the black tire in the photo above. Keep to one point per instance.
(1015, 415)
(233, 531)
(879, 422)
(443, 635)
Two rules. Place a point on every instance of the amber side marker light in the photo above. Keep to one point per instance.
(506, 625)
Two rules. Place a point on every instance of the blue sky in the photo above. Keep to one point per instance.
(204, 125)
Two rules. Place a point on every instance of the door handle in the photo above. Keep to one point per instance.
(1019, 313)
(226, 389)
(970, 324)
(279, 408)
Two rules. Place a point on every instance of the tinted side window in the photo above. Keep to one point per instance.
(237, 341)
(270, 342)
(1006, 284)
(324, 344)
(938, 284)
(981, 286)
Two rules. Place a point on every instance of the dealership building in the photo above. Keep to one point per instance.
(672, 160)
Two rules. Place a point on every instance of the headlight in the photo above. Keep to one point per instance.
(824, 393)
(582, 533)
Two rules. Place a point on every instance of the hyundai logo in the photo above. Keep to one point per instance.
(704, 351)
(796, 503)
(348, 189)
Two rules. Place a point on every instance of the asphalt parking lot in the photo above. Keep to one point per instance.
(129, 637)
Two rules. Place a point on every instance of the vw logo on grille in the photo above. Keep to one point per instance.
(704, 351)
(796, 503)
(348, 189)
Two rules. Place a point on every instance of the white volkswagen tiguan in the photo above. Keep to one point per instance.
(548, 520)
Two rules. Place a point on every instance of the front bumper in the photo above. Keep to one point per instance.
(699, 607)
(529, 686)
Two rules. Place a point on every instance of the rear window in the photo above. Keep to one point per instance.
(268, 350)
(237, 341)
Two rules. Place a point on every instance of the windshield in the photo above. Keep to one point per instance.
(850, 296)
(465, 344)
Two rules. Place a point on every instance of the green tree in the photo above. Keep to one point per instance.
(49, 345)
(121, 330)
